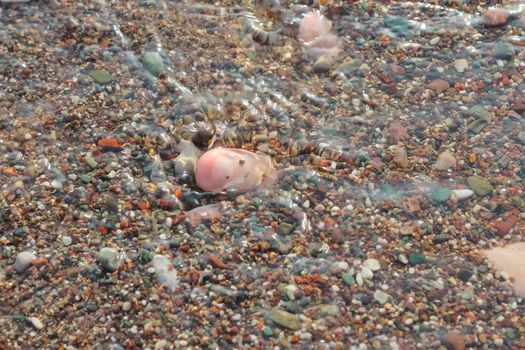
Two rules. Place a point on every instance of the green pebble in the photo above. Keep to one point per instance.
(284, 228)
(91, 162)
(479, 112)
(100, 76)
(476, 126)
(145, 256)
(85, 178)
(268, 331)
(480, 185)
(416, 258)
(153, 63)
(441, 195)
(348, 278)
(504, 51)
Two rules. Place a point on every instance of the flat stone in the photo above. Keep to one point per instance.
(285, 319)
(460, 65)
(453, 341)
(477, 126)
(100, 76)
(480, 185)
(438, 85)
(462, 194)
(372, 264)
(416, 258)
(381, 297)
(445, 161)
(23, 261)
(504, 51)
(479, 112)
(495, 17)
(441, 195)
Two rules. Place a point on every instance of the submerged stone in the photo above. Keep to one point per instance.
(100, 76)
(285, 319)
(153, 63)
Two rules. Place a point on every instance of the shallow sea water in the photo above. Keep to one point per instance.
(96, 98)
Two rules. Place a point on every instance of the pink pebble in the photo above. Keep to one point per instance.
(221, 168)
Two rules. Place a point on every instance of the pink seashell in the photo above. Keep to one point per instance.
(221, 168)
(510, 259)
(313, 26)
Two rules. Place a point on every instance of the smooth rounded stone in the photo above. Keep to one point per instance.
(322, 65)
(348, 278)
(460, 65)
(495, 17)
(366, 272)
(126, 306)
(438, 85)
(109, 259)
(462, 194)
(453, 341)
(434, 40)
(441, 195)
(479, 112)
(445, 161)
(153, 63)
(442, 238)
(504, 51)
(267, 332)
(36, 323)
(416, 258)
(476, 126)
(57, 185)
(23, 261)
(372, 264)
(285, 319)
(480, 185)
(100, 76)
(381, 297)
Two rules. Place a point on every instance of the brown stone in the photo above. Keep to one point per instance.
(495, 17)
(438, 85)
(39, 262)
(453, 341)
(505, 226)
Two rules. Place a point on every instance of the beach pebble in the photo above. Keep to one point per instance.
(495, 17)
(23, 261)
(460, 65)
(153, 63)
(36, 323)
(453, 341)
(445, 161)
(438, 85)
(381, 297)
(480, 185)
(462, 194)
(109, 259)
(285, 319)
(372, 264)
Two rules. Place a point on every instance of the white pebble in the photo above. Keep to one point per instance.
(23, 261)
(372, 264)
(36, 323)
(462, 194)
(67, 241)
